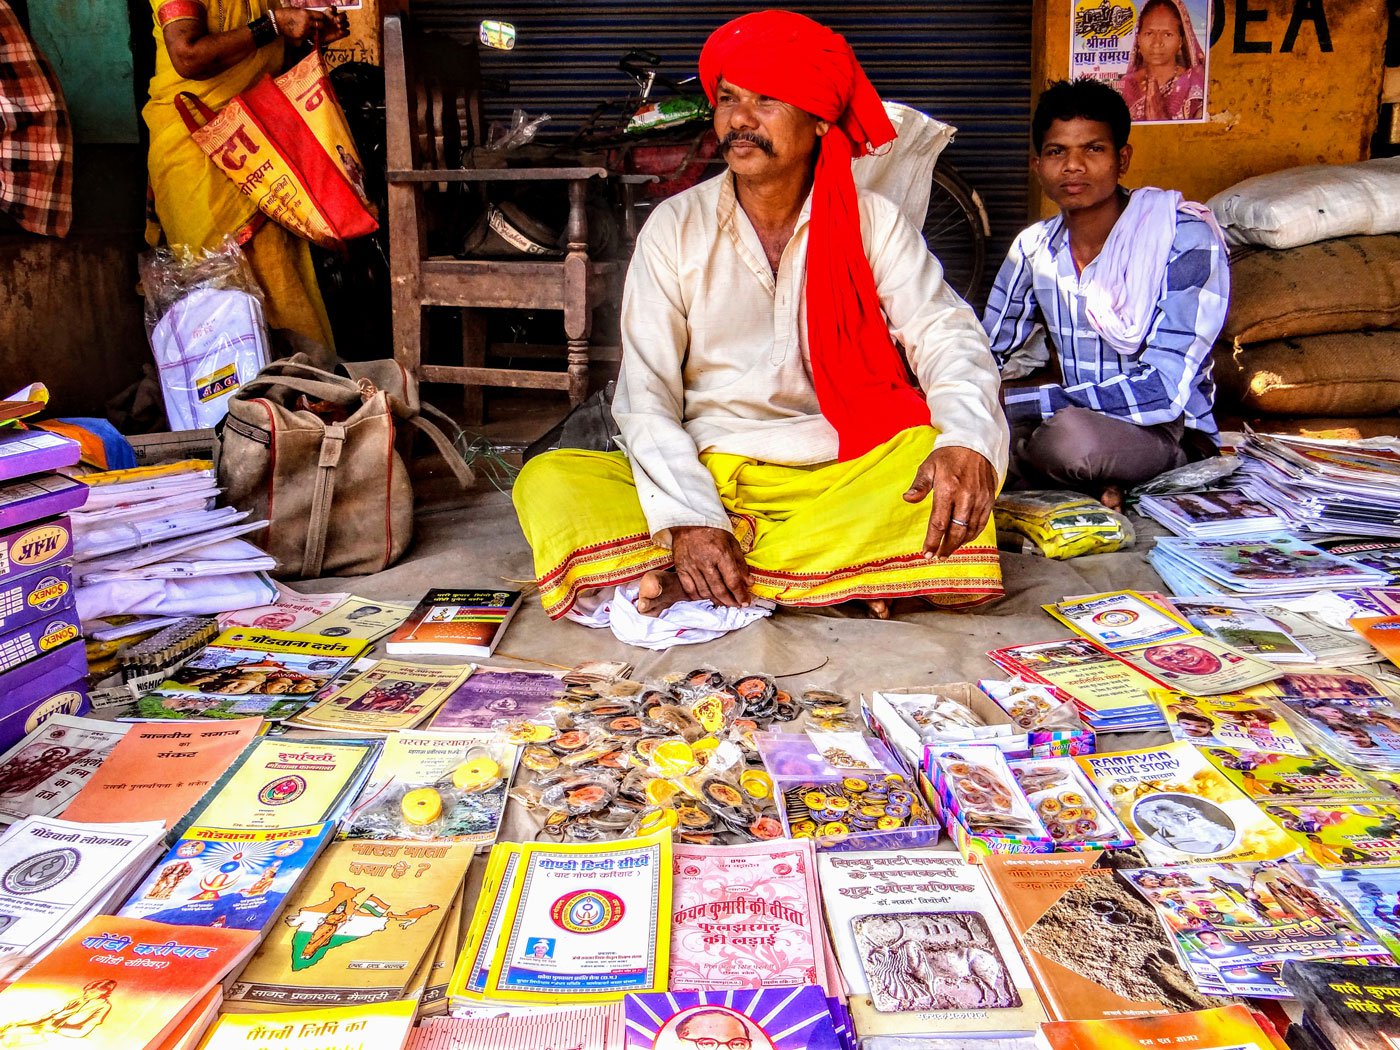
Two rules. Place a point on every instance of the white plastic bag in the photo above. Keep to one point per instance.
(204, 316)
(1300, 206)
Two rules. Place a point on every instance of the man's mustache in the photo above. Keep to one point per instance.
(746, 136)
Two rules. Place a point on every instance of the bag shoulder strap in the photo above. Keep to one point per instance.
(322, 495)
(460, 468)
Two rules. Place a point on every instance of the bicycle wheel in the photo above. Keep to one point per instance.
(956, 230)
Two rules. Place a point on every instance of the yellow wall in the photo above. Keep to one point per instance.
(1269, 108)
(363, 43)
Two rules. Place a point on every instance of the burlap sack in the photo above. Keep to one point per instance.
(1344, 285)
(1338, 374)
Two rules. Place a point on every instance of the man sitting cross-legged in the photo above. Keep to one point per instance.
(1131, 290)
(775, 443)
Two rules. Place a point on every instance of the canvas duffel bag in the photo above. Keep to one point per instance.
(1343, 285)
(1339, 374)
(337, 493)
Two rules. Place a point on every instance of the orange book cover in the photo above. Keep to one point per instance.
(159, 770)
(118, 984)
(1383, 632)
(1227, 1026)
(455, 623)
(1094, 948)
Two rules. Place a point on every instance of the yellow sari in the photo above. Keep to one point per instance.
(196, 203)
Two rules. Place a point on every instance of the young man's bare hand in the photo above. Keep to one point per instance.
(711, 565)
(964, 486)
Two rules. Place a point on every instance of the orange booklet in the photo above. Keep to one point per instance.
(1094, 948)
(163, 770)
(119, 984)
(1381, 631)
(1228, 1026)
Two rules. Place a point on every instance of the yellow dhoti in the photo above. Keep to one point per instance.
(812, 536)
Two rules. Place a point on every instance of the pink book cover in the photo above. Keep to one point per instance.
(745, 917)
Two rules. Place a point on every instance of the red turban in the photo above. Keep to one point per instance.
(861, 380)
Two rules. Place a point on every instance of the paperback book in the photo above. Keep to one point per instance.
(284, 783)
(390, 695)
(1201, 515)
(1374, 896)
(380, 1026)
(467, 773)
(360, 618)
(42, 773)
(157, 771)
(1181, 810)
(1342, 835)
(492, 696)
(1345, 1007)
(246, 661)
(899, 922)
(357, 928)
(1228, 721)
(54, 873)
(455, 623)
(228, 878)
(1268, 777)
(774, 1019)
(1223, 1028)
(1243, 627)
(1236, 924)
(1111, 695)
(1095, 949)
(744, 917)
(119, 984)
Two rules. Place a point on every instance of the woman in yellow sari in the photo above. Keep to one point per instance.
(214, 49)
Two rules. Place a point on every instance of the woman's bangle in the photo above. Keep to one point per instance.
(264, 30)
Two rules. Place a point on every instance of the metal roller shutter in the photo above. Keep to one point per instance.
(967, 63)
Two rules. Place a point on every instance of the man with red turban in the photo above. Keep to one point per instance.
(776, 445)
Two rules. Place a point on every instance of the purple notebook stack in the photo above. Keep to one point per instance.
(42, 663)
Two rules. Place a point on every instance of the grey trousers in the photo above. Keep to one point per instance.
(1078, 448)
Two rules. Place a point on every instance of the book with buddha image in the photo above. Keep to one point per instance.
(1181, 810)
(1095, 949)
(1236, 924)
(225, 877)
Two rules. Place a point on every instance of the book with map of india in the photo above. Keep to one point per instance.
(118, 984)
(455, 623)
(357, 928)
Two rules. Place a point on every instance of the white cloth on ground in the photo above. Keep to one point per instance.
(685, 623)
(1127, 286)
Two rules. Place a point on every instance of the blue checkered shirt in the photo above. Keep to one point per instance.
(1167, 378)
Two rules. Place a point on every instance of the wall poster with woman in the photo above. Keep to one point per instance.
(1153, 52)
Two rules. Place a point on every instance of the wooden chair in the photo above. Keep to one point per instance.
(433, 109)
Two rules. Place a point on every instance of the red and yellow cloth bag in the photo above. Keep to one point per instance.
(286, 144)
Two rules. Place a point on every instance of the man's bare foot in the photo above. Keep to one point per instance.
(659, 590)
(1112, 498)
(879, 608)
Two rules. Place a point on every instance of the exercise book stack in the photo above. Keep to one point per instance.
(1316, 486)
(42, 663)
(152, 542)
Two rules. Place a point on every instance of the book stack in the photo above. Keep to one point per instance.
(60, 873)
(1316, 486)
(42, 664)
(150, 541)
(1208, 515)
(1275, 566)
(1344, 1008)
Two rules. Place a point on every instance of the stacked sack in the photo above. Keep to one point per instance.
(1313, 331)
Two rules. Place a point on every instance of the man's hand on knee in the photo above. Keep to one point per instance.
(711, 565)
(964, 486)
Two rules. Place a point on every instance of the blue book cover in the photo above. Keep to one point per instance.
(227, 877)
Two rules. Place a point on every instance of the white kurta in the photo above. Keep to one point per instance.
(715, 357)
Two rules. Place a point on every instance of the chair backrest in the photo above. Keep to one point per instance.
(903, 173)
(436, 82)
